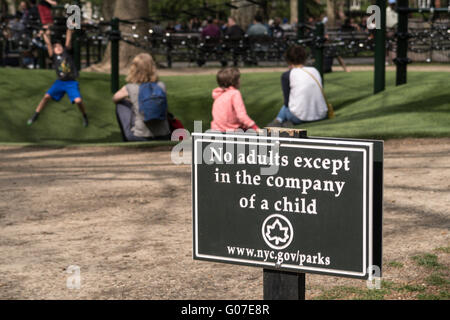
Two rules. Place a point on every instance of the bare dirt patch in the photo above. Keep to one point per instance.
(123, 216)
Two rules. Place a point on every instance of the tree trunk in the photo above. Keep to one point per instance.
(331, 15)
(11, 7)
(125, 10)
(245, 13)
(108, 9)
(130, 10)
(294, 11)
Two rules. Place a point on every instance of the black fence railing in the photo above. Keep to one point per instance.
(20, 46)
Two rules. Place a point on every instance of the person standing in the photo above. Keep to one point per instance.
(45, 12)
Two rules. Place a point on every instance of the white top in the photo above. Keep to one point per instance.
(306, 100)
(391, 18)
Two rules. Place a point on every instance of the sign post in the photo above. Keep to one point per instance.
(282, 285)
(289, 205)
(115, 38)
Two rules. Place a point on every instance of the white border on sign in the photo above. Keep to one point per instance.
(332, 142)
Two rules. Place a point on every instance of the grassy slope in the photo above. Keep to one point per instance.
(419, 109)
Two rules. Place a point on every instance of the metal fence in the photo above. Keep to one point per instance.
(21, 45)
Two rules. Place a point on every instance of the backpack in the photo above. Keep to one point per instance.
(174, 123)
(152, 101)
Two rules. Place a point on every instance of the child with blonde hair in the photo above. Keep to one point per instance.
(134, 126)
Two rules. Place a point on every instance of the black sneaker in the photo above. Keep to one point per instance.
(85, 121)
(33, 119)
(275, 124)
(288, 124)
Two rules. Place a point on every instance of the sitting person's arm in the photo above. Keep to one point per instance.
(69, 34)
(241, 112)
(286, 87)
(120, 95)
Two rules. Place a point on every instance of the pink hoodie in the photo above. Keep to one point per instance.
(229, 111)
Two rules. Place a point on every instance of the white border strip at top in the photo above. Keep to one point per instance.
(306, 140)
(334, 142)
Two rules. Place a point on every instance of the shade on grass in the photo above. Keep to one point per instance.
(419, 109)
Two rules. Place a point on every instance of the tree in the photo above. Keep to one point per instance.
(294, 11)
(335, 11)
(11, 6)
(108, 9)
(331, 12)
(126, 10)
(245, 12)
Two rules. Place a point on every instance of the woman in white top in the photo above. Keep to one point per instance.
(131, 120)
(302, 91)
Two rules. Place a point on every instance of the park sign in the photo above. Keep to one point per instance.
(307, 205)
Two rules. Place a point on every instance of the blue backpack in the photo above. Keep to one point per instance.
(152, 101)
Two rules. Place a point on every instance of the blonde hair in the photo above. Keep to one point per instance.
(142, 69)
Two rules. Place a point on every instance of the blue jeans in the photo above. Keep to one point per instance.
(286, 115)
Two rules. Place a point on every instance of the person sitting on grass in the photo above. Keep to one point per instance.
(228, 111)
(142, 76)
(66, 73)
(304, 100)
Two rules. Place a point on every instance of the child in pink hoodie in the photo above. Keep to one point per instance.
(228, 112)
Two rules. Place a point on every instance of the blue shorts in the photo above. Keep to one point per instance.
(60, 88)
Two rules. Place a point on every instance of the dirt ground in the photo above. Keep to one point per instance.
(123, 215)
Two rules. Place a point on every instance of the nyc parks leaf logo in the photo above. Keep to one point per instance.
(277, 232)
(276, 229)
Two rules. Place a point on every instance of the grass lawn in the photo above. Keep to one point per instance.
(419, 109)
(434, 283)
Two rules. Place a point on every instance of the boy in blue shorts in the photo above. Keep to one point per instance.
(66, 73)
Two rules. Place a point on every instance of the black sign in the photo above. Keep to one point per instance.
(306, 205)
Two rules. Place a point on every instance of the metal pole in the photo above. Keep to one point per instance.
(41, 58)
(380, 50)
(318, 52)
(115, 37)
(88, 53)
(76, 44)
(169, 50)
(402, 44)
(301, 8)
(2, 63)
(99, 49)
(77, 49)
